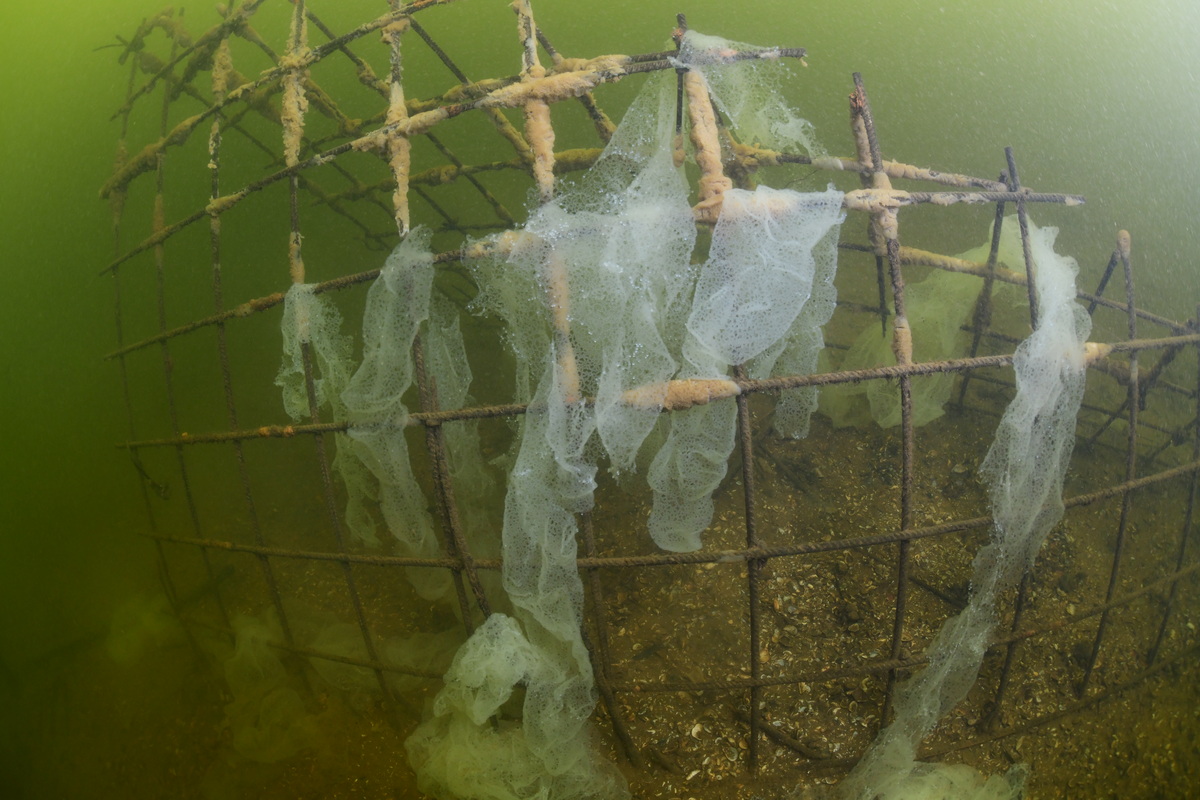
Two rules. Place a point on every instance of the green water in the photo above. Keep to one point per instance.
(1100, 99)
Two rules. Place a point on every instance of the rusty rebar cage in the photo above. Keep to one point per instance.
(856, 582)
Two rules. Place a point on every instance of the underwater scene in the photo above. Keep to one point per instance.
(490, 400)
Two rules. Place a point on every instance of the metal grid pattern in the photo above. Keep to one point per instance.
(324, 160)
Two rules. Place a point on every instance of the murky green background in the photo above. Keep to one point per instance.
(1101, 99)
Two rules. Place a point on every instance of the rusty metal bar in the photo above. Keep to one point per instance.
(293, 131)
(1122, 254)
(335, 520)
(1108, 270)
(1146, 382)
(883, 666)
(1188, 515)
(1152, 376)
(309, 652)
(1133, 403)
(884, 233)
(863, 670)
(456, 541)
(754, 569)
(982, 317)
(601, 654)
(1014, 184)
(222, 66)
(699, 557)
(855, 201)
(167, 362)
(1010, 653)
(746, 386)
(145, 483)
(292, 115)
(908, 256)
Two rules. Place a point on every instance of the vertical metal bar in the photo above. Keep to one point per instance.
(680, 31)
(222, 67)
(906, 479)
(1121, 253)
(1130, 473)
(1010, 653)
(860, 108)
(1014, 185)
(335, 519)
(292, 119)
(1123, 246)
(452, 532)
(1150, 379)
(1108, 271)
(601, 655)
(293, 132)
(1193, 487)
(399, 147)
(497, 207)
(884, 228)
(118, 208)
(159, 223)
(539, 131)
(983, 304)
(872, 160)
(881, 286)
(753, 571)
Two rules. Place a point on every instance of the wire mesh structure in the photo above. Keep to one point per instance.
(774, 650)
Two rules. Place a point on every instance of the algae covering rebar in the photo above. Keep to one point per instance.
(499, 384)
